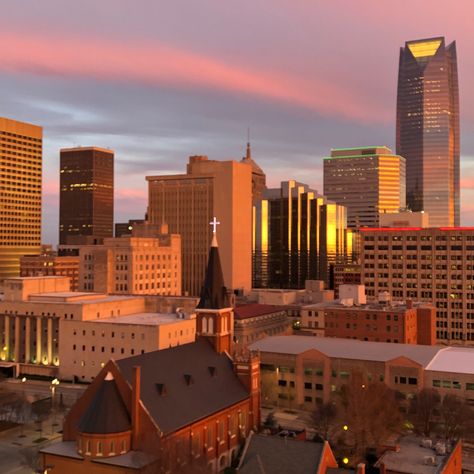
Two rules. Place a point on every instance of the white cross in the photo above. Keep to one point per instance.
(214, 223)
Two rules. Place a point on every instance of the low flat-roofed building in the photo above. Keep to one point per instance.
(85, 346)
(51, 265)
(256, 321)
(407, 323)
(409, 456)
(299, 371)
(36, 314)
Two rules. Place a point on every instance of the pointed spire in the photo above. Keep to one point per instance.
(213, 293)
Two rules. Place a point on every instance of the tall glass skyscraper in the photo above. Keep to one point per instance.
(428, 128)
(298, 235)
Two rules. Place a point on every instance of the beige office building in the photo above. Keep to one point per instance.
(132, 265)
(368, 181)
(48, 330)
(433, 265)
(21, 150)
(188, 202)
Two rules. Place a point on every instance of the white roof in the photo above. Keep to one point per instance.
(351, 349)
(146, 319)
(453, 359)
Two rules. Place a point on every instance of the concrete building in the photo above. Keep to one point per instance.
(346, 274)
(125, 228)
(51, 265)
(42, 323)
(368, 181)
(434, 265)
(256, 321)
(86, 346)
(259, 180)
(405, 219)
(299, 371)
(86, 196)
(21, 152)
(188, 202)
(427, 132)
(382, 321)
(298, 236)
(147, 262)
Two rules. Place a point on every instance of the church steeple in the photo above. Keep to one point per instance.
(214, 315)
(213, 292)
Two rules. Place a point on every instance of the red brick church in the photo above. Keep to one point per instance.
(184, 409)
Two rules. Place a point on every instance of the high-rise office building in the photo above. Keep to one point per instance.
(86, 200)
(428, 128)
(21, 150)
(259, 180)
(298, 236)
(188, 202)
(433, 265)
(368, 181)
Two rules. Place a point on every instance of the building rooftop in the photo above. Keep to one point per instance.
(253, 310)
(435, 358)
(184, 384)
(372, 306)
(272, 454)
(145, 319)
(412, 458)
(75, 297)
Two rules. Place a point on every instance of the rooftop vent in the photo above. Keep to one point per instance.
(188, 379)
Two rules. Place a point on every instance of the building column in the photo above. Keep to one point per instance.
(17, 339)
(50, 341)
(38, 339)
(27, 340)
(6, 347)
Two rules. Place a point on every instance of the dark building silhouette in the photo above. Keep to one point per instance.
(428, 128)
(298, 235)
(86, 202)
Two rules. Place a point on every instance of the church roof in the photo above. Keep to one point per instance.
(213, 293)
(184, 384)
(107, 412)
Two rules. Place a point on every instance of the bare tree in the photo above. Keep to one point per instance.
(371, 413)
(324, 420)
(424, 406)
(41, 412)
(456, 414)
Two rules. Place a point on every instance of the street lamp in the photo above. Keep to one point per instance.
(54, 384)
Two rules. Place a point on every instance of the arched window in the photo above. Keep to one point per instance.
(123, 446)
(99, 448)
(112, 448)
(88, 447)
(210, 328)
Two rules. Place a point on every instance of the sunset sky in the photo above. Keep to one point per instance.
(158, 81)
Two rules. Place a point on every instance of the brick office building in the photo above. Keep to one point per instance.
(190, 405)
(434, 265)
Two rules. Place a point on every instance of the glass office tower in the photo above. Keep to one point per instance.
(298, 236)
(428, 128)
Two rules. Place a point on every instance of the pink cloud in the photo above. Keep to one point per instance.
(163, 65)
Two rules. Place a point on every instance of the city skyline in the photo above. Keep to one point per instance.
(300, 90)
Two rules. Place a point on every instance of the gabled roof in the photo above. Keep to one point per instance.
(107, 412)
(272, 454)
(184, 384)
(213, 293)
(348, 348)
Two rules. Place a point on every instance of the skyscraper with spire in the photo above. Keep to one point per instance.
(259, 179)
(428, 128)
